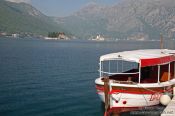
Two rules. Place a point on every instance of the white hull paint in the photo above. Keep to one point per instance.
(134, 100)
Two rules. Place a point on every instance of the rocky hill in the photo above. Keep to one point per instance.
(24, 18)
(127, 19)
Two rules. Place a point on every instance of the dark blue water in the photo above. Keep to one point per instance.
(53, 78)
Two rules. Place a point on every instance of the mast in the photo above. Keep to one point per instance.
(171, 41)
(161, 41)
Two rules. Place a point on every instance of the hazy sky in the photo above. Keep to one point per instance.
(64, 7)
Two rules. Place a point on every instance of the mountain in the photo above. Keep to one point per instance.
(85, 23)
(126, 19)
(24, 18)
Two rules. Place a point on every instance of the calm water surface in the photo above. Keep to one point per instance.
(53, 78)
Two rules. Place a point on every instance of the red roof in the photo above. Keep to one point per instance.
(157, 61)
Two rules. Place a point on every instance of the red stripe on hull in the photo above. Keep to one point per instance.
(118, 110)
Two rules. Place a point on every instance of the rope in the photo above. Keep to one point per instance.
(144, 97)
(146, 88)
(116, 99)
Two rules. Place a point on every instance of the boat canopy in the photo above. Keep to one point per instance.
(147, 57)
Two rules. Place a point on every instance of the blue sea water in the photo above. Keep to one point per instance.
(53, 78)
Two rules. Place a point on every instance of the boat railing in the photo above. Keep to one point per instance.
(129, 81)
(124, 82)
(119, 73)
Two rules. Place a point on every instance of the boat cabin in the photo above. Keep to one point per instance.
(139, 66)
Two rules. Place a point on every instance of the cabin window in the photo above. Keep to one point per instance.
(119, 66)
(172, 69)
(149, 74)
(164, 72)
(120, 70)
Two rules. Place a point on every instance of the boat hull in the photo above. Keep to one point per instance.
(123, 95)
(131, 100)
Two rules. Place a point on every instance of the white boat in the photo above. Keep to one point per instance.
(136, 78)
(99, 38)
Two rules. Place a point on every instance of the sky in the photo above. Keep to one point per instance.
(61, 8)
